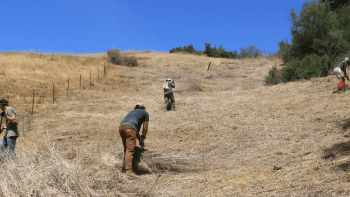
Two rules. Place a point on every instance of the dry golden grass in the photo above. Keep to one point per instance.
(230, 134)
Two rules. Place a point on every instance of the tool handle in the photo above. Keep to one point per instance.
(4, 128)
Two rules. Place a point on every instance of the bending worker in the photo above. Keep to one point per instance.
(168, 93)
(340, 72)
(129, 130)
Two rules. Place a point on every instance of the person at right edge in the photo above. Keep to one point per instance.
(129, 130)
(340, 72)
(168, 94)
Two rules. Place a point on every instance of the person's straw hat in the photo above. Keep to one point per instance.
(347, 59)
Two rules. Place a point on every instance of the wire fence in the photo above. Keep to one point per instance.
(25, 117)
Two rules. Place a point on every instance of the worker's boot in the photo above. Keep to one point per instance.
(131, 174)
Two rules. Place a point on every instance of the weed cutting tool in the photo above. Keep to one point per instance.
(4, 128)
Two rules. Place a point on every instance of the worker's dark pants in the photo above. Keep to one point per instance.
(170, 97)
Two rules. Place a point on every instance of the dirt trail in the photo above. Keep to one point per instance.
(230, 136)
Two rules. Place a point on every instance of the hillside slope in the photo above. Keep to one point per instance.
(229, 136)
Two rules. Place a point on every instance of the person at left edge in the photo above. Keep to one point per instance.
(11, 134)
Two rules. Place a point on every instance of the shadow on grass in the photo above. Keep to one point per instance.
(344, 166)
(339, 149)
(336, 151)
(145, 164)
(161, 165)
(346, 125)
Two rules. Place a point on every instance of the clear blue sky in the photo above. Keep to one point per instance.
(94, 26)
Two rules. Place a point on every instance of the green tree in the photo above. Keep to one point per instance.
(285, 51)
(189, 49)
(208, 50)
(251, 51)
(335, 4)
(317, 30)
(313, 24)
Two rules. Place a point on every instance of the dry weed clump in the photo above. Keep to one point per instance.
(114, 56)
(47, 173)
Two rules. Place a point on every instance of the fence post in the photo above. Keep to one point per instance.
(33, 101)
(53, 90)
(98, 74)
(90, 76)
(80, 80)
(208, 66)
(68, 86)
(8, 96)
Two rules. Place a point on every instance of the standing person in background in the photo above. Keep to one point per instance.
(129, 130)
(168, 93)
(340, 72)
(9, 139)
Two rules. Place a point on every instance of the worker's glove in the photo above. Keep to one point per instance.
(347, 77)
(142, 141)
(3, 114)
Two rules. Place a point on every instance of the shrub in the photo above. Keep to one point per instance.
(285, 51)
(130, 61)
(175, 50)
(219, 52)
(115, 57)
(274, 76)
(187, 49)
(310, 66)
(251, 51)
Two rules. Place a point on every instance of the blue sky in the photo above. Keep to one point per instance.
(87, 26)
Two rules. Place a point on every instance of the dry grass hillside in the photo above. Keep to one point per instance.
(229, 136)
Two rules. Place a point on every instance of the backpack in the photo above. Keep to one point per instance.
(166, 86)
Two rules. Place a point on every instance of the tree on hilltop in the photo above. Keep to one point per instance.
(335, 4)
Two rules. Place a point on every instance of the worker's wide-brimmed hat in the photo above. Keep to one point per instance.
(347, 59)
(168, 79)
(140, 105)
(4, 101)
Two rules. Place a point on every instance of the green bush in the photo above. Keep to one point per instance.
(285, 51)
(115, 57)
(251, 51)
(310, 66)
(187, 49)
(274, 76)
(219, 52)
